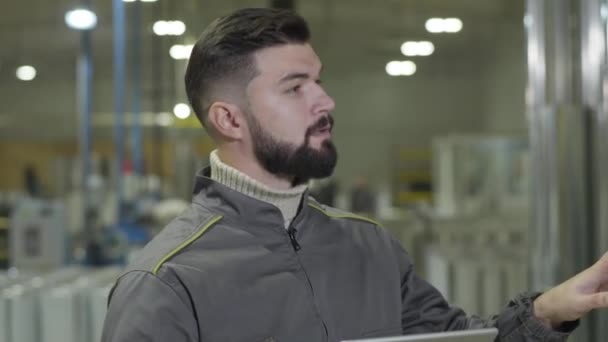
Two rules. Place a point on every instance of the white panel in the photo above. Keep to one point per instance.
(24, 318)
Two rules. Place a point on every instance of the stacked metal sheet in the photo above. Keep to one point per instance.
(67, 305)
(74, 311)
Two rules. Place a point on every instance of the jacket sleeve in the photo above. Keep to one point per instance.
(425, 310)
(145, 308)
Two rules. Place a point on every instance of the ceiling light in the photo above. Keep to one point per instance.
(422, 48)
(160, 28)
(26, 73)
(425, 48)
(180, 51)
(147, 0)
(181, 111)
(434, 25)
(177, 28)
(393, 68)
(169, 28)
(400, 68)
(439, 25)
(409, 48)
(452, 25)
(81, 19)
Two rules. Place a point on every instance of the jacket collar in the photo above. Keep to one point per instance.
(238, 206)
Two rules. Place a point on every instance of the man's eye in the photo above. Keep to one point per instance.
(294, 89)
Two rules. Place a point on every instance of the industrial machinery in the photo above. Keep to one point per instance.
(474, 175)
(480, 221)
(38, 236)
(7, 203)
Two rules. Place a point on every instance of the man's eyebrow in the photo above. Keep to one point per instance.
(294, 76)
(297, 75)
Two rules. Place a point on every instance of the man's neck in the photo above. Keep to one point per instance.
(287, 201)
(253, 169)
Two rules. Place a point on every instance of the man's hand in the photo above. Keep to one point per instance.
(577, 296)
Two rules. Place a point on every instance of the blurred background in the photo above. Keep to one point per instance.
(474, 130)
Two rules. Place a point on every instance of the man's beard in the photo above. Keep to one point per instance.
(300, 163)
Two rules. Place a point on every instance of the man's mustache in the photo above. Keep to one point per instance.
(322, 123)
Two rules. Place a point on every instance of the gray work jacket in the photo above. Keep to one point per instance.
(226, 270)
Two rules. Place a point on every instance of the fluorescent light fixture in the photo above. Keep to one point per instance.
(422, 48)
(81, 19)
(441, 25)
(425, 48)
(409, 48)
(400, 68)
(178, 27)
(452, 25)
(147, 0)
(181, 111)
(169, 28)
(434, 25)
(26, 73)
(164, 119)
(161, 28)
(180, 51)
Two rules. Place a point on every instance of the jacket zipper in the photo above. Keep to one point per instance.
(292, 238)
(291, 232)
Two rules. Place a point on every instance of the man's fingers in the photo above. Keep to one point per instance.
(603, 262)
(601, 269)
(596, 301)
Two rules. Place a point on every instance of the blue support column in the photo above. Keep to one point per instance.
(136, 127)
(85, 93)
(119, 96)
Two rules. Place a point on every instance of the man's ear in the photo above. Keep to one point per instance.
(227, 120)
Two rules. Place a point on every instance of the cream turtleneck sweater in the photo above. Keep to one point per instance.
(288, 201)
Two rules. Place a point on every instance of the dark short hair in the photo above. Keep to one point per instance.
(224, 52)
